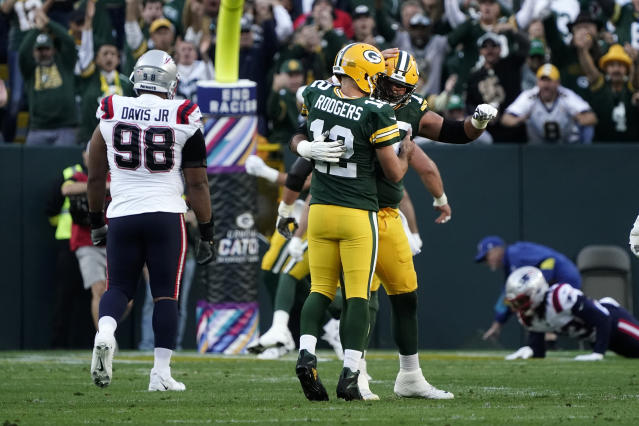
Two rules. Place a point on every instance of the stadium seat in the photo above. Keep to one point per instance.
(605, 272)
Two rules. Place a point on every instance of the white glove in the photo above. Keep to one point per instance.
(296, 249)
(415, 243)
(589, 357)
(255, 166)
(322, 151)
(522, 353)
(483, 114)
(634, 238)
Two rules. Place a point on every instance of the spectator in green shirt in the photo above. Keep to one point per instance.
(611, 93)
(101, 80)
(47, 62)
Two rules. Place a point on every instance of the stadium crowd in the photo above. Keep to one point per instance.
(557, 71)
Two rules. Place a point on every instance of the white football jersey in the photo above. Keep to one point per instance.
(549, 123)
(556, 314)
(144, 138)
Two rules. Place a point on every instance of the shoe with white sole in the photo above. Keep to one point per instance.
(273, 353)
(164, 382)
(278, 337)
(412, 384)
(102, 359)
(331, 335)
(364, 388)
(362, 382)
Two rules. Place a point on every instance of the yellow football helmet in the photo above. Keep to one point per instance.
(362, 62)
(402, 71)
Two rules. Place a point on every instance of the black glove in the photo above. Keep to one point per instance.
(284, 228)
(284, 219)
(205, 246)
(98, 229)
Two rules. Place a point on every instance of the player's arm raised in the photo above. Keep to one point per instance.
(435, 127)
(198, 196)
(98, 166)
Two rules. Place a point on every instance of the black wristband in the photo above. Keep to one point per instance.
(452, 131)
(207, 230)
(96, 219)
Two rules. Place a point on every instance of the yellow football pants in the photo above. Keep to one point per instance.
(275, 257)
(395, 267)
(341, 241)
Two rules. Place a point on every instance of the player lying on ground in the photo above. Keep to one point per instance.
(564, 310)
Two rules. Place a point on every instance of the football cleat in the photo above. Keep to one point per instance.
(164, 382)
(274, 337)
(412, 384)
(362, 382)
(347, 387)
(331, 336)
(364, 388)
(102, 359)
(306, 370)
(273, 353)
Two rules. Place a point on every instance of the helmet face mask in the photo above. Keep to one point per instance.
(362, 62)
(525, 289)
(401, 71)
(155, 71)
(384, 90)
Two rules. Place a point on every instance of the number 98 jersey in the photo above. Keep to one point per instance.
(145, 138)
(364, 125)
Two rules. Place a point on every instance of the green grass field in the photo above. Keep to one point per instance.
(56, 388)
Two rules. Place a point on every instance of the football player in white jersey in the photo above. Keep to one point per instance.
(552, 113)
(563, 309)
(152, 145)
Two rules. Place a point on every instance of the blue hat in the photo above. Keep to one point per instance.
(486, 244)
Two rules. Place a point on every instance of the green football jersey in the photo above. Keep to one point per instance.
(364, 125)
(389, 193)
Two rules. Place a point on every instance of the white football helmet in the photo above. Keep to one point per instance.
(525, 289)
(155, 71)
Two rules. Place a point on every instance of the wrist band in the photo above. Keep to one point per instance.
(96, 219)
(440, 201)
(206, 230)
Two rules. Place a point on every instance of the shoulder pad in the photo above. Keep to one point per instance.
(564, 297)
(105, 110)
(188, 113)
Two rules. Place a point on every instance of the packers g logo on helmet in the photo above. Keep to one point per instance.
(401, 70)
(372, 56)
(362, 62)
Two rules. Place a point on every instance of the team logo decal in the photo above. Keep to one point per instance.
(245, 220)
(372, 56)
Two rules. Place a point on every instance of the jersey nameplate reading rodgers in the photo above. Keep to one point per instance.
(408, 116)
(145, 137)
(364, 125)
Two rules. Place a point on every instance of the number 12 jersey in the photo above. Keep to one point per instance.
(146, 139)
(364, 125)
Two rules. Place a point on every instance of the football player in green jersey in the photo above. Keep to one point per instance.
(395, 269)
(342, 223)
(398, 275)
